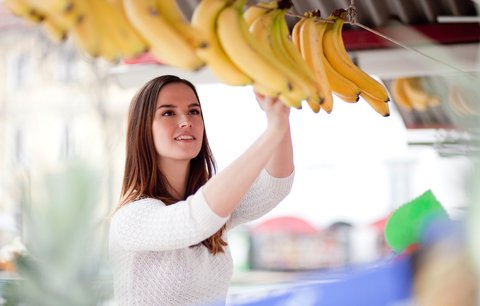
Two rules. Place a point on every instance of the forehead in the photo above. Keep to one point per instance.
(176, 94)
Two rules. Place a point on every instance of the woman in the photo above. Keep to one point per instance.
(168, 239)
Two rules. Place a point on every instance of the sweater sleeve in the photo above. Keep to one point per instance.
(150, 225)
(266, 193)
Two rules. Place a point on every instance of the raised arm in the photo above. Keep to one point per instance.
(225, 190)
(280, 163)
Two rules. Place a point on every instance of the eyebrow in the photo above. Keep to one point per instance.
(195, 104)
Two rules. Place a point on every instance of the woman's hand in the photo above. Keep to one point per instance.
(277, 112)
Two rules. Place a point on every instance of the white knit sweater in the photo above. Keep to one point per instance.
(152, 261)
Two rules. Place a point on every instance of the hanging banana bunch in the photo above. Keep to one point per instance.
(240, 45)
(409, 94)
(374, 93)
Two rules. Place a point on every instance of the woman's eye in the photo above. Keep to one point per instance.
(168, 113)
(194, 112)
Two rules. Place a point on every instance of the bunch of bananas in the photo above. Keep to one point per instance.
(409, 94)
(240, 45)
(321, 45)
(253, 45)
(98, 27)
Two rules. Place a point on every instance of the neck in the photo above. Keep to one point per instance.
(176, 173)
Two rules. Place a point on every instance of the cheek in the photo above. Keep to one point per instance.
(200, 124)
(160, 135)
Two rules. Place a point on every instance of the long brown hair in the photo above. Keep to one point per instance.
(142, 178)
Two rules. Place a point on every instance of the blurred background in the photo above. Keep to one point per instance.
(353, 167)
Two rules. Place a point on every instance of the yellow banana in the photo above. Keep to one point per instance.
(108, 46)
(118, 30)
(264, 90)
(173, 14)
(415, 85)
(293, 57)
(60, 16)
(22, 9)
(296, 32)
(244, 51)
(54, 30)
(340, 86)
(84, 32)
(338, 57)
(53, 6)
(379, 106)
(166, 44)
(253, 11)
(311, 48)
(204, 18)
(262, 30)
(296, 42)
(266, 28)
(415, 93)
(399, 95)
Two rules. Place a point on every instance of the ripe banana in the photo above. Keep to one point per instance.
(204, 18)
(173, 14)
(267, 30)
(117, 29)
(244, 51)
(254, 11)
(84, 32)
(54, 30)
(399, 95)
(264, 91)
(296, 62)
(311, 48)
(296, 32)
(379, 106)
(99, 13)
(52, 6)
(338, 57)
(295, 37)
(262, 30)
(340, 86)
(166, 44)
(22, 9)
(417, 96)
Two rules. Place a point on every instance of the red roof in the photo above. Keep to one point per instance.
(291, 225)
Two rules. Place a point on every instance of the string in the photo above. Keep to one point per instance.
(351, 13)
(351, 19)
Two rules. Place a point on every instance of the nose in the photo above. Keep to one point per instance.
(185, 123)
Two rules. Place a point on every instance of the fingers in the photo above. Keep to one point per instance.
(259, 96)
(269, 103)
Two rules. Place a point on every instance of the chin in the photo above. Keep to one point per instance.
(188, 156)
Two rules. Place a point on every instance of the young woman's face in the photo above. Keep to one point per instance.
(178, 125)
